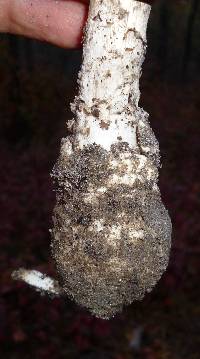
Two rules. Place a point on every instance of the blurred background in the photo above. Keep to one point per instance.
(37, 83)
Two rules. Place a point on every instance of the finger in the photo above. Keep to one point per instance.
(59, 22)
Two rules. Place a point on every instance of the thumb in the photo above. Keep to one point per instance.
(58, 22)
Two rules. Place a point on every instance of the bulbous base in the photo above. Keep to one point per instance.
(112, 235)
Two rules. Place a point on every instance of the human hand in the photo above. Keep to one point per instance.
(59, 22)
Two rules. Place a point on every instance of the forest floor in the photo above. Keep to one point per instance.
(165, 325)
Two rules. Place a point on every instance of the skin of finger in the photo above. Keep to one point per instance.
(59, 22)
(3, 15)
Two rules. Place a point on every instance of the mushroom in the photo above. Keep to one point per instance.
(111, 234)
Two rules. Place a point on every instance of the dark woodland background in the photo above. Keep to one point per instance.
(37, 83)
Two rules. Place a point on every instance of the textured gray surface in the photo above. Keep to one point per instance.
(97, 272)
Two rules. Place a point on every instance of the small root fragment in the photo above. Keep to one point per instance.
(41, 282)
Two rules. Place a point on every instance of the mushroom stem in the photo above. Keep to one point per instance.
(112, 233)
(114, 48)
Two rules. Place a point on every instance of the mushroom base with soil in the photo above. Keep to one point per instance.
(112, 234)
